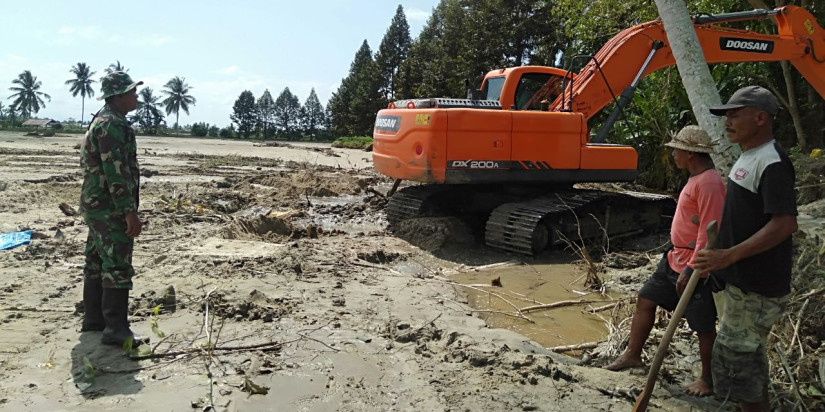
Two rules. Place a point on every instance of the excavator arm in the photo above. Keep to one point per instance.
(800, 40)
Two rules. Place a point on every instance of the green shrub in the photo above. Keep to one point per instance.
(353, 142)
(227, 133)
(214, 131)
(200, 129)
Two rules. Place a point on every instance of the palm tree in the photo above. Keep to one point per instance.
(28, 100)
(148, 115)
(178, 98)
(82, 83)
(116, 67)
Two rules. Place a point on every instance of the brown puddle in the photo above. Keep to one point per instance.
(529, 285)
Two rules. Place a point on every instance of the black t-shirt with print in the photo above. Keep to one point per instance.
(760, 184)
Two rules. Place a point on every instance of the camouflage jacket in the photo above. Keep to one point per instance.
(108, 156)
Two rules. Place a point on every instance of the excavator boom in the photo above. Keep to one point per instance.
(800, 40)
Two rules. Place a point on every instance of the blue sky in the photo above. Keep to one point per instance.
(221, 48)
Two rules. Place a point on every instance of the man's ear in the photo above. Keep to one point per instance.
(762, 118)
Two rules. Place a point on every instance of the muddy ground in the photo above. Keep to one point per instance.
(267, 281)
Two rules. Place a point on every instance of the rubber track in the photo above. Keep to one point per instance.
(407, 203)
(511, 225)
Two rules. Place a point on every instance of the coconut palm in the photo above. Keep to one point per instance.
(116, 67)
(28, 99)
(148, 115)
(82, 83)
(178, 97)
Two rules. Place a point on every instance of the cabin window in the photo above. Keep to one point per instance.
(535, 87)
(492, 88)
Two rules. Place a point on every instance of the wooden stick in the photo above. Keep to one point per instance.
(580, 346)
(609, 306)
(560, 304)
(661, 351)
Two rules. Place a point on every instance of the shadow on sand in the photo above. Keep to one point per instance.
(111, 372)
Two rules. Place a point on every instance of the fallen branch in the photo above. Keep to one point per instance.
(609, 306)
(519, 312)
(16, 309)
(796, 330)
(580, 346)
(268, 346)
(560, 304)
(498, 312)
(784, 360)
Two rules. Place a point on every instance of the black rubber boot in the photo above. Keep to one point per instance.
(92, 311)
(115, 311)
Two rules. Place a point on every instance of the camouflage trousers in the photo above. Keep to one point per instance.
(739, 363)
(108, 251)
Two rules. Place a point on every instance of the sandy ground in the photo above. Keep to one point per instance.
(289, 294)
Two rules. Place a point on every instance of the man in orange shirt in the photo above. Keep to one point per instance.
(700, 202)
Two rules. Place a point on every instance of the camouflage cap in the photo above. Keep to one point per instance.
(692, 139)
(116, 83)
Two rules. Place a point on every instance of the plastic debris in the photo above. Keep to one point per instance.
(15, 239)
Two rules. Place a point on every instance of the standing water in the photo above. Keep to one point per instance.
(524, 286)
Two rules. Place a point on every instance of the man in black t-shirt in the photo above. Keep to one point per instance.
(753, 256)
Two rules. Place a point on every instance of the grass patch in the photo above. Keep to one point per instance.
(353, 142)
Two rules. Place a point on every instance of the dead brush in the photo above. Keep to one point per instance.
(592, 280)
(796, 345)
(180, 203)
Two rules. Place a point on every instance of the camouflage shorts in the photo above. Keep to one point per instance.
(740, 364)
(109, 252)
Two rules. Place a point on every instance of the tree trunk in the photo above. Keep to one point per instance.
(82, 109)
(787, 73)
(793, 108)
(696, 77)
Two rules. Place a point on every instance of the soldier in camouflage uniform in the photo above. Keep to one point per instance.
(753, 259)
(109, 203)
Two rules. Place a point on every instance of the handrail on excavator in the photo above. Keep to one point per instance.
(755, 14)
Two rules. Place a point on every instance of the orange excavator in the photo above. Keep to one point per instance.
(505, 159)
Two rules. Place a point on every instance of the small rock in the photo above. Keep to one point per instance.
(67, 210)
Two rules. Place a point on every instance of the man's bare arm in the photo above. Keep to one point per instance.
(779, 228)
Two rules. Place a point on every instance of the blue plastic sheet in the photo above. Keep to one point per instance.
(15, 239)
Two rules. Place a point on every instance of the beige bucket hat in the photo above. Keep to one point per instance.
(692, 139)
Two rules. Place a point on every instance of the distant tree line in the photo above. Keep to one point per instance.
(283, 118)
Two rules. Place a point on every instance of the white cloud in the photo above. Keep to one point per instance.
(75, 35)
(152, 40)
(228, 70)
(16, 58)
(416, 14)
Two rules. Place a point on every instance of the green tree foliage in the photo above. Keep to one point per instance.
(28, 99)
(394, 49)
(354, 105)
(115, 67)
(287, 109)
(148, 115)
(8, 116)
(81, 84)
(199, 129)
(227, 132)
(266, 114)
(312, 116)
(177, 97)
(464, 39)
(213, 131)
(244, 114)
